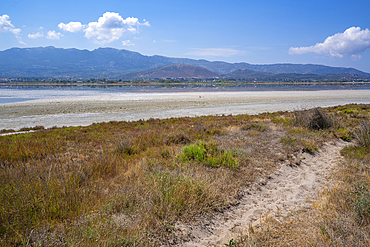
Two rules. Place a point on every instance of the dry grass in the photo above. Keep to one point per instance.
(315, 119)
(127, 183)
(122, 183)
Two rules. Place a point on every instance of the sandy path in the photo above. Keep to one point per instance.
(288, 188)
(84, 110)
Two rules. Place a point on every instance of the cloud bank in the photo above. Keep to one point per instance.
(108, 28)
(350, 43)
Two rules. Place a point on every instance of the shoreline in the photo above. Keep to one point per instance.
(85, 110)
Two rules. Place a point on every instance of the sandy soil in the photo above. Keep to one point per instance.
(291, 187)
(115, 107)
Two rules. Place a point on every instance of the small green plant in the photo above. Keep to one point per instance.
(309, 146)
(231, 243)
(209, 154)
(344, 134)
(195, 152)
(362, 202)
(288, 141)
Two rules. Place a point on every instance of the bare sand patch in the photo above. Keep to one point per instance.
(84, 110)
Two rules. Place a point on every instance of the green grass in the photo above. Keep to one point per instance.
(210, 155)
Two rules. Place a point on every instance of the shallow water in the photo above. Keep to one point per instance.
(12, 94)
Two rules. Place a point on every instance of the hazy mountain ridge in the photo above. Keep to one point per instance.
(111, 63)
(185, 71)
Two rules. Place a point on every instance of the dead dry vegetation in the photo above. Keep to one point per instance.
(127, 183)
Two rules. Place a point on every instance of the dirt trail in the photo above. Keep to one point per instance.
(288, 188)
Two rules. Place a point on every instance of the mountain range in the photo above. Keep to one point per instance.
(51, 62)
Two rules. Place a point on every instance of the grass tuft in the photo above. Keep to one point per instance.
(362, 134)
(209, 154)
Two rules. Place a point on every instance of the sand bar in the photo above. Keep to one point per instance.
(84, 110)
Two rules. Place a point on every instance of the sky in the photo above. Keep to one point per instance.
(333, 33)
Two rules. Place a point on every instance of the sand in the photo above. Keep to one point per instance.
(84, 110)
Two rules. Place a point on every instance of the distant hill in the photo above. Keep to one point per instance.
(185, 71)
(246, 74)
(111, 63)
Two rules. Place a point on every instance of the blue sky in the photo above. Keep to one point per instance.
(334, 33)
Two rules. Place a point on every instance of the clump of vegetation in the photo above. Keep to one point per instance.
(362, 134)
(344, 134)
(178, 138)
(255, 126)
(124, 145)
(315, 119)
(209, 154)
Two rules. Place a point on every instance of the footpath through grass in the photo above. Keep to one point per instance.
(127, 183)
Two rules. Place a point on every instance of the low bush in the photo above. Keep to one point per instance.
(314, 119)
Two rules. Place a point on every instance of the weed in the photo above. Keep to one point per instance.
(231, 243)
(255, 126)
(209, 154)
(362, 134)
(124, 145)
(344, 134)
(361, 202)
(177, 138)
(288, 141)
(309, 146)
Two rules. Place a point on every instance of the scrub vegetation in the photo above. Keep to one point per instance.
(128, 183)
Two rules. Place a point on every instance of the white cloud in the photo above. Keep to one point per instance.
(127, 43)
(36, 35)
(53, 35)
(350, 43)
(72, 26)
(20, 40)
(7, 26)
(111, 26)
(215, 52)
